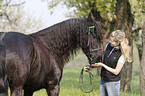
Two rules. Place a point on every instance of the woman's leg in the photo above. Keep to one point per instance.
(103, 91)
(113, 88)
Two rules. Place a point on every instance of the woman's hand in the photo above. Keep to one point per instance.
(87, 68)
(99, 64)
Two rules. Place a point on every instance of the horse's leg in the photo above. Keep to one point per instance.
(53, 85)
(28, 93)
(16, 91)
(17, 82)
(53, 90)
(53, 79)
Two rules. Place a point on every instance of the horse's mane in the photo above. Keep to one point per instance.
(64, 38)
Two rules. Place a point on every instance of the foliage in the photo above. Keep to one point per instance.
(107, 8)
(5, 5)
(138, 10)
(83, 7)
(14, 18)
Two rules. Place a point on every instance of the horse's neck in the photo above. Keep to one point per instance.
(59, 40)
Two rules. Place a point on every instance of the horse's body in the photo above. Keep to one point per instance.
(36, 61)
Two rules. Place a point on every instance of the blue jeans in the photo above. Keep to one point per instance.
(109, 88)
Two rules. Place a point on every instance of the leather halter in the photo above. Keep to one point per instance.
(91, 50)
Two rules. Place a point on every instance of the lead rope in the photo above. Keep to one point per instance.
(81, 83)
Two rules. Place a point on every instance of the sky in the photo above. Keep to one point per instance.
(40, 10)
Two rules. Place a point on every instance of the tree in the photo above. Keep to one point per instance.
(14, 18)
(125, 22)
(138, 8)
(142, 66)
(115, 14)
(4, 6)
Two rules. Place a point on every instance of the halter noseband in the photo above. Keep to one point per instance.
(90, 42)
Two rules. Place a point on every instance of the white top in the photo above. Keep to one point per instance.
(121, 59)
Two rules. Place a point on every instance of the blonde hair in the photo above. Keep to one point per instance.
(119, 36)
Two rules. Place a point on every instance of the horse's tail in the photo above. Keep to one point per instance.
(3, 72)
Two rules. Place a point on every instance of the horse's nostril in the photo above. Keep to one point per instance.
(100, 60)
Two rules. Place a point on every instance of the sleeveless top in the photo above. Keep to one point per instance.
(111, 57)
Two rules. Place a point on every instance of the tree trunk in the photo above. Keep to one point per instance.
(140, 51)
(138, 42)
(142, 66)
(124, 22)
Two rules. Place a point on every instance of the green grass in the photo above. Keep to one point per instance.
(69, 85)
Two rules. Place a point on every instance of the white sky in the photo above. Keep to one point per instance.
(40, 9)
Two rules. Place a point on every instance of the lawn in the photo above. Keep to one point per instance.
(69, 85)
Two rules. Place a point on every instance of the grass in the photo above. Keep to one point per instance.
(69, 85)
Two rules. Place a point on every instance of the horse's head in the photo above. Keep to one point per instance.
(93, 41)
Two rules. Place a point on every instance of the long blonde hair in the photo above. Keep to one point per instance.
(119, 36)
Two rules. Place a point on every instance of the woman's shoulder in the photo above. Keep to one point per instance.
(107, 45)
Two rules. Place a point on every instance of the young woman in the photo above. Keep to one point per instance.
(115, 55)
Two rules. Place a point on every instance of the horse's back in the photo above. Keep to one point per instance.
(3, 72)
(18, 46)
(15, 41)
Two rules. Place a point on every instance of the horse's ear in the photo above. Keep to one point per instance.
(90, 17)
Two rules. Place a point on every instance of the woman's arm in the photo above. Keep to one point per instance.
(112, 70)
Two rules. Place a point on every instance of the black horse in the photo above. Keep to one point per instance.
(36, 61)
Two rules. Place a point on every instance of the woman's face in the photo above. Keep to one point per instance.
(113, 43)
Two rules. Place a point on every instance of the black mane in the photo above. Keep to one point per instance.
(62, 37)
